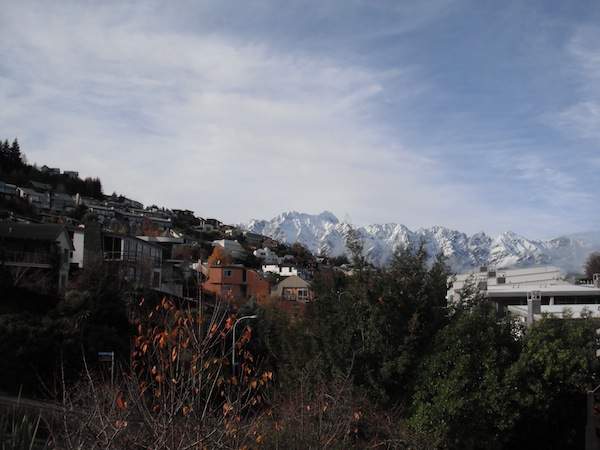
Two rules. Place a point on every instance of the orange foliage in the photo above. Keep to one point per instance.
(219, 257)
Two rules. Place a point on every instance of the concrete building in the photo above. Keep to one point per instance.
(515, 287)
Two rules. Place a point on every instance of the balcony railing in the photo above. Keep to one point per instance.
(132, 258)
(25, 257)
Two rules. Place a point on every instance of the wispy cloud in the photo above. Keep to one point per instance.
(243, 111)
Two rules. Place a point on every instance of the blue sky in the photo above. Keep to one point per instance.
(476, 115)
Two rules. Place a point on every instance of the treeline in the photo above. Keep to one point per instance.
(14, 169)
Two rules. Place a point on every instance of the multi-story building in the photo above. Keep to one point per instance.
(235, 282)
(537, 286)
(139, 261)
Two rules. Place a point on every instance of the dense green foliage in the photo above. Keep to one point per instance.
(459, 377)
(41, 333)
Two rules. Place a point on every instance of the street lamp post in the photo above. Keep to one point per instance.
(254, 316)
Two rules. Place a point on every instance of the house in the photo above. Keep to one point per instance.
(203, 226)
(267, 256)
(283, 270)
(234, 248)
(139, 261)
(231, 231)
(235, 282)
(39, 200)
(77, 236)
(270, 243)
(50, 170)
(7, 191)
(61, 202)
(43, 249)
(293, 288)
(71, 174)
(253, 239)
(174, 271)
(214, 223)
(518, 287)
(40, 187)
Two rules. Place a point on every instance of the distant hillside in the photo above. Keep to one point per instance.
(14, 169)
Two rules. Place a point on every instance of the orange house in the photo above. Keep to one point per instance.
(235, 282)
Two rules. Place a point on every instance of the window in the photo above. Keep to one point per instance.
(155, 279)
(227, 272)
(303, 295)
(288, 294)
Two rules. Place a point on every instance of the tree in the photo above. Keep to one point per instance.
(592, 264)
(548, 384)
(219, 257)
(378, 323)
(459, 398)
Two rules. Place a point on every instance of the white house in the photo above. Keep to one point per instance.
(280, 269)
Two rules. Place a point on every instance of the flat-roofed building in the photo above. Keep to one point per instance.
(510, 287)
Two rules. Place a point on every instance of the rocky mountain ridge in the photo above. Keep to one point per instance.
(325, 234)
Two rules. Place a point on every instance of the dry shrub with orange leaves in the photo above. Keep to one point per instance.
(181, 391)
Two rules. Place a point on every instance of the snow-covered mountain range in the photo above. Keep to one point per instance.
(324, 233)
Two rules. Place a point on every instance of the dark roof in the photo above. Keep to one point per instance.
(42, 186)
(35, 231)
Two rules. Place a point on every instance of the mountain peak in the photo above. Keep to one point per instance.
(323, 232)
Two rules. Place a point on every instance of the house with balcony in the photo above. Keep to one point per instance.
(137, 260)
(39, 200)
(36, 250)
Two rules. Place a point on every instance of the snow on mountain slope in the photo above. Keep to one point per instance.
(324, 233)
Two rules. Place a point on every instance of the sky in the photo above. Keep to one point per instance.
(475, 115)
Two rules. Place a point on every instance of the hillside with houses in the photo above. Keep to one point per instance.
(172, 251)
